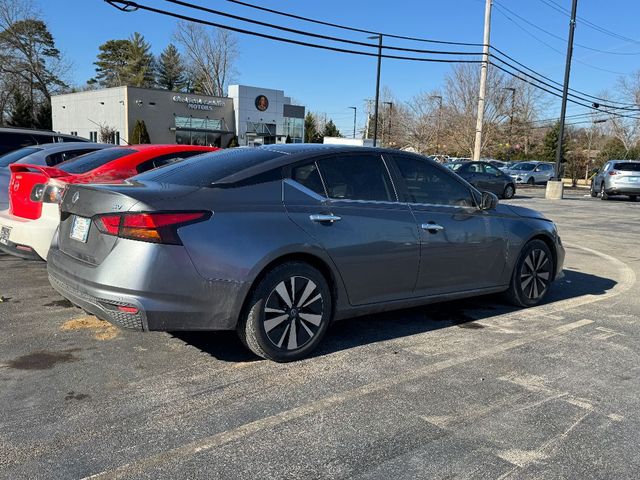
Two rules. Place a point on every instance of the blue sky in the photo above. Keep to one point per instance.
(331, 82)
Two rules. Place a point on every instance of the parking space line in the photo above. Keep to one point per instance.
(317, 406)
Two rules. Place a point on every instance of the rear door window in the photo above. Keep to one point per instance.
(309, 176)
(356, 177)
(166, 159)
(491, 170)
(93, 160)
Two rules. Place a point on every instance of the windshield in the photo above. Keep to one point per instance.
(204, 170)
(526, 167)
(12, 157)
(625, 167)
(90, 161)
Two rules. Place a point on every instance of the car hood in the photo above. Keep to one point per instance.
(521, 212)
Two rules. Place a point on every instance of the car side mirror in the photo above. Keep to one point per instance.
(489, 201)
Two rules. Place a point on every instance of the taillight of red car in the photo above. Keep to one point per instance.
(161, 227)
(51, 192)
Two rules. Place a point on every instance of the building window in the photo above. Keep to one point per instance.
(93, 136)
(294, 129)
(75, 134)
(199, 131)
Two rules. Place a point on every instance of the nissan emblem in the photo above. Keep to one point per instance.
(75, 197)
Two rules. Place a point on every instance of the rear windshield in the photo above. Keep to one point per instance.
(12, 157)
(623, 167)
(204, 170)
(524, 166)
(85, 163)
(454, 166)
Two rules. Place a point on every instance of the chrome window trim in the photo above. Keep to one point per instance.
(305, 190)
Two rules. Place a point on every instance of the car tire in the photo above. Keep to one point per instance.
(287, 314)
(531, 275)
(603, 193)
(593, 191)
(531, 181)
(633, 198)
(509, 191)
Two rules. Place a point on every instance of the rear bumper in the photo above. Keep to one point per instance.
(34, 234)
(633, 189)
(156, 284)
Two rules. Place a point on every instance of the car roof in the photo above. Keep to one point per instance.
(67, 146)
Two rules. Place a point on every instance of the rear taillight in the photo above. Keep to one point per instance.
(613, 172)
(37, 192)
(149, 227)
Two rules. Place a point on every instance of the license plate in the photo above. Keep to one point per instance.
(634, 179)
(80, 229)
(4, 235)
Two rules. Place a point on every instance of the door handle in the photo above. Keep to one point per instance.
(432, 227)
(321, 217)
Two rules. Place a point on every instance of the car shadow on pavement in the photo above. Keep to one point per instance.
(375, 328)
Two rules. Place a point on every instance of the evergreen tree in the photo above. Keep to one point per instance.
(233, 142)
(550, 145)
(21, 114)
(330, 130)
(43, 116)
(139, 70)
(310, 130)
(111, 63)
(171, 69)
(140, 133)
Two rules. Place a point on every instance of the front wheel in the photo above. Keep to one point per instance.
(593, 191)
(531, 181)
(287, 314)
(633, 198)
(509, 191)
(532, 275)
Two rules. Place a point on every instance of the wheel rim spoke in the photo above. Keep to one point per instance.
(314, 299)
(274, 322)
(526, 283)
(284, 295)
(273, 310)
(308, 290)
(543, 275)
(314, 319)
(293, 336)
(528, 262)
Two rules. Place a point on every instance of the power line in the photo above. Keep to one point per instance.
(608, 52)
(136, 6)
(352, 29)
(310, 34)
(551, 47)
(587, 23)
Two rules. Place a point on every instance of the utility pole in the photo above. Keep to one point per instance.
(375, 113)
(389, 127)
(483, 78)
(565, 90)
(513, 108)
(355, 110)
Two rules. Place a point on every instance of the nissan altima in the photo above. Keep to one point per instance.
(277, 242)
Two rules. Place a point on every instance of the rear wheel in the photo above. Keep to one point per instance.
(532, 275)
(287, 314)
(603, 193)
(509, 191)
(633, 198)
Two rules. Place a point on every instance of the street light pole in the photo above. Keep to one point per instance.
(375, 113)
(355, 110)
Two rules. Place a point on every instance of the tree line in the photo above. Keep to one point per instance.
(201, 61)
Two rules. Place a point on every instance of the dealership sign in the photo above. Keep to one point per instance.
(198, 103)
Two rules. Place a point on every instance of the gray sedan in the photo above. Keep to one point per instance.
(276, 242)
(617, 177)
(48, 154)
(531, 173)
(485, 177)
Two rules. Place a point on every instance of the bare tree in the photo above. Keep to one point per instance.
(625, 129)
(211, 56)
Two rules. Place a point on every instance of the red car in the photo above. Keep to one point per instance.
(27, 228)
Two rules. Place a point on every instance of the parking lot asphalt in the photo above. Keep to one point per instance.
(467, 389)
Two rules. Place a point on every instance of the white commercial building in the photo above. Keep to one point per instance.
(254, 115)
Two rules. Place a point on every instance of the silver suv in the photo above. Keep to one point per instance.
(531, 172)
(617, 177)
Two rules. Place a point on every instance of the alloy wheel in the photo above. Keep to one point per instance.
(508, 191)
(535, 274)
(293, 313)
